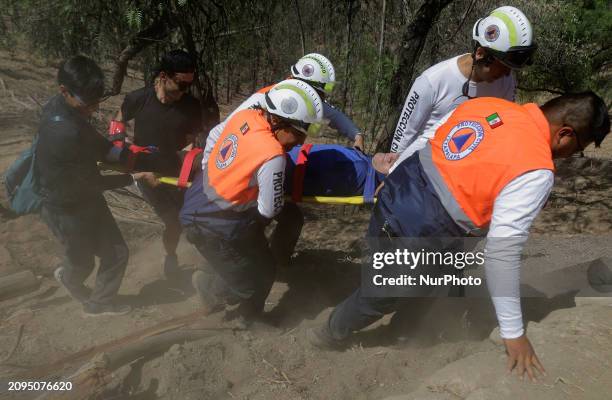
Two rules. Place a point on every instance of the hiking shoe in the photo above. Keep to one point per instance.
(97, 309)
(171, 266)
(80, 292)
(202, 283)
(321, 338)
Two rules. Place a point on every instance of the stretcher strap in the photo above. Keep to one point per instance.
(355, 200)
(183, 179)
(299, 173)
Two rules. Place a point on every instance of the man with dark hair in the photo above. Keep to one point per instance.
(488, 166)
(584, 114)
(168, 118)
(71, 187)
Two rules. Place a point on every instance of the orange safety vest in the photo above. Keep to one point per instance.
(245, 144)
(484, 144)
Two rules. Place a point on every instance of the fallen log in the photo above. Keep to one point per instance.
(17, 283)
(58, 366)
(91, 379)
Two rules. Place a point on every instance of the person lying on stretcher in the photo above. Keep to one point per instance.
(328, 170)
(334, 171)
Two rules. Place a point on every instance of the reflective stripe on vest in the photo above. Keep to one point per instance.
(483, 146)
(245, 144)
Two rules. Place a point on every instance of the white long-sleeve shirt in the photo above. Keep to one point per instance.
(270, 178)
(436, 92)
(514, 210)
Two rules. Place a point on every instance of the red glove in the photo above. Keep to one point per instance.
(116, 128)
(116, 133)
(143, 149)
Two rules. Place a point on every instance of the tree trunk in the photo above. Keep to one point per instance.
(377, 95)
(350, 12)
(410, 50)
(302, 37)
(156, 31)
(255, 75)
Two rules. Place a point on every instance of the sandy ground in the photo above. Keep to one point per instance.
(432, 349)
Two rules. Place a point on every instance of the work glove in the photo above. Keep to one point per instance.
(143, 149)
(116, 131)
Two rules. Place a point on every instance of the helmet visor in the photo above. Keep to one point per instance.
(515, 57)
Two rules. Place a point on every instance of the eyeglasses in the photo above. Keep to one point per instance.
(516, 57)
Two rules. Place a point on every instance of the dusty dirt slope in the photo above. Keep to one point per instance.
(431, 350)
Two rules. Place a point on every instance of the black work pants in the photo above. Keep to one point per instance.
(358, 311)
(289, 223)
(242, 269)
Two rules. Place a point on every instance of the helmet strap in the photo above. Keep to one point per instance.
(466, 85)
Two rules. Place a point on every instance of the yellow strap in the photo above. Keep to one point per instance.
(168, 180)
(357, 200)
(354, 200)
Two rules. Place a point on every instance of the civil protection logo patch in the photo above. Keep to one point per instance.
(462, 140)
(227, 152)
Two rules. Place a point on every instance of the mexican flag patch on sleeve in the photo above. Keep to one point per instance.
(494, 121)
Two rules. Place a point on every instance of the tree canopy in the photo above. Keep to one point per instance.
(378, 47)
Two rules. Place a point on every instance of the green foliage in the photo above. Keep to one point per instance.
(246, 44)
(134, 18)
(574, 46)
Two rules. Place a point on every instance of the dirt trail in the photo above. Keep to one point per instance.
(433, 349)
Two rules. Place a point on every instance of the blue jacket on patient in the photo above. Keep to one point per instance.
(335, 171)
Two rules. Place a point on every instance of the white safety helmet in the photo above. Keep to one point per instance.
(507, 35)
(317, 70)
(297, 103)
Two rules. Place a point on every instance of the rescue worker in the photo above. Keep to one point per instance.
(317, 71)
(238, 193)
(71, 187)
(167, 118)
(502, 41)
(489, 165)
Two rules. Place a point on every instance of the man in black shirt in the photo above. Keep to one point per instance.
(70, 185)
(168, 118)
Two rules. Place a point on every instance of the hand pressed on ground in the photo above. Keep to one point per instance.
(522, 358)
